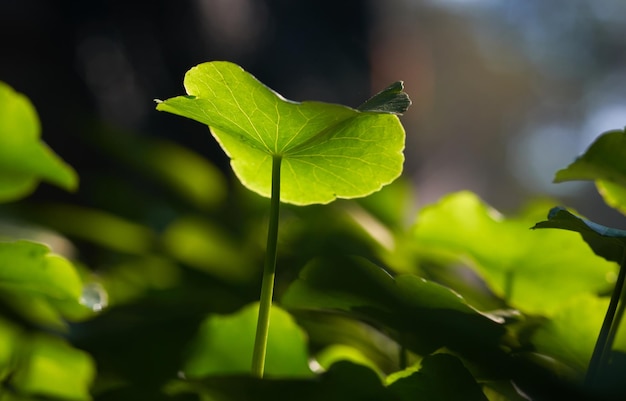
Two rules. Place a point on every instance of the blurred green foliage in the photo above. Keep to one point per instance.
(455, 302)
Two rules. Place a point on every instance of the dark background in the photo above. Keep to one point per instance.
(505, 93)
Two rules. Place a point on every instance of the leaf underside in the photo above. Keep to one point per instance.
(328, 151)
(604, 160)
(604, 241)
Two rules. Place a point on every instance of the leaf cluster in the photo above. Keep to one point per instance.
(373, 301)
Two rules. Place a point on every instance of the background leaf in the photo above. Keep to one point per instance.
(441, 377)
(423, 315)
(605, 241)
(534, 270)
(224, 345)
(571, 333)
(328, 150)
(613, 194)
(24, 159)
(605, 159)
(55, 370)
(44, 287)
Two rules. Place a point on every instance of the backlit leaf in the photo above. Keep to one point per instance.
(55, 370)
(24, 158)
(535, 270)
(571, 333)
(224, 345)
(44, 287)
(614, 194)
(328, 151)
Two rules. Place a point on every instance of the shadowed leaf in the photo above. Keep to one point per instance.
(604, 241)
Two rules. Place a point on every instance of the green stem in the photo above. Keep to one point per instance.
(269, 271)
(619, 314)
(602, 350)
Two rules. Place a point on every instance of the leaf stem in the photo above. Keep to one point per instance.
(602, 350)
(269, 272)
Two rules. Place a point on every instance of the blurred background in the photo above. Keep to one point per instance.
(504, 92)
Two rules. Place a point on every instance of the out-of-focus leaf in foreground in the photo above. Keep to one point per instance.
(24, 158)
(44, 288)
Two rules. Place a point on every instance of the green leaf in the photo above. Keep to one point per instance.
(43, 287)
(96, 226)
(206, 247)
(605, 160)
(9, 346)
(54, 369)
(613, 194)
(429, 315)
(392, 99)
(604, 241)
(442, 377)
(328, 151)
(534, 271)
(343, 381)
(224, 345)
(570, 335)
(24, 158)
(338, 336)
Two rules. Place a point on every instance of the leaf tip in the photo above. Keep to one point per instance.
(554, 211)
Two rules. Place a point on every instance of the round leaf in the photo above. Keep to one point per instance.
(328, 151)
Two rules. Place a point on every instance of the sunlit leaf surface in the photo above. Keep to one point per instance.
(224, 345)
(571, 333)
(24, 158)
(55, 370)
(328, 151)
(614, 194)
(44, 287)
(202, 245)
(535, 270)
